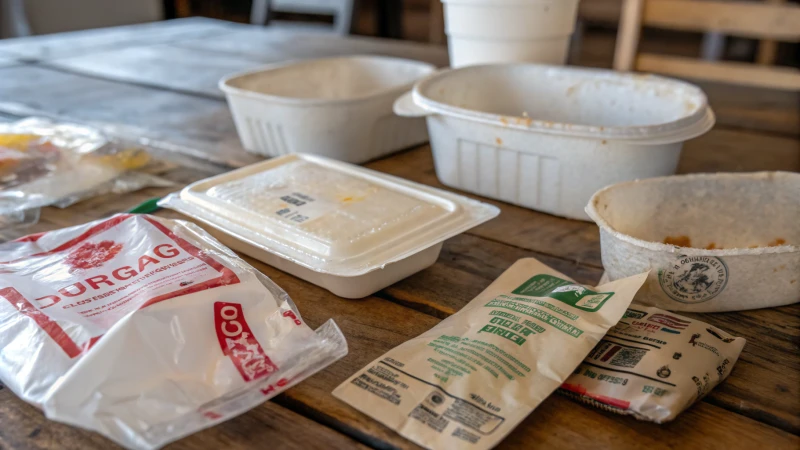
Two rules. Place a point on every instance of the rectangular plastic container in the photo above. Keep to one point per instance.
(547, 137)
(345, 228)
(494, 31)
(340, 108)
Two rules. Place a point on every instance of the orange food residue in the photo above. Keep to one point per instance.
(680, 241)
(351, 199)
(499, 141)
(777, 242)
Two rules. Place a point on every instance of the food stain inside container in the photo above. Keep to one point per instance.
(686, 241)
(680, 241)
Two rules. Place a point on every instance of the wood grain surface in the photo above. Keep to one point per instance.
(148, 85)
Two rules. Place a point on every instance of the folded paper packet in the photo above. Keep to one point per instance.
(471, 379)
(654, 364)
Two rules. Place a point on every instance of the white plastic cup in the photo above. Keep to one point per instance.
(498, 31)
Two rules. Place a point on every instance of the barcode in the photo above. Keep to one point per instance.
(429, 418)
(628, 357)
(289, 214)
(291, 200)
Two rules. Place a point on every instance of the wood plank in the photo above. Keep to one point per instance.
(606, 12)
(752, 108)
(49, 46)
(195, 67)
(162, 66)
(200, 125)
(270, 422)
(630, 27)
(6, 61)
(264, 44)
(767, 48)
(436, 26)
(726, 150)
(773, 77)
(747, 19)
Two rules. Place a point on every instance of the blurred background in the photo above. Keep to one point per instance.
(415, 20)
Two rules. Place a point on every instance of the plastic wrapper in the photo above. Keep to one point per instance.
(146, 329)
(654, 364)
(17, 224)
(44, 163)
(468, 381)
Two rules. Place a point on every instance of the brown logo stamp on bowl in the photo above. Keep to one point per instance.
(694, 279)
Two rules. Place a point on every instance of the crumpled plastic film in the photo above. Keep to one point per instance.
(147, 330)
(44, 163)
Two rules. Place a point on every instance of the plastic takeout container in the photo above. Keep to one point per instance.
(345, 228)
(546, 137)
(340, 108)
(494, 31)
(742, 228)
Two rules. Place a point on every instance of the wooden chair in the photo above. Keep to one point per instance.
(341, 10)
(772, 21)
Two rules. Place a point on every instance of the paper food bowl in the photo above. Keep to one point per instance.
(340, 108)
(345, 228)
(546, 137)
(744, 232)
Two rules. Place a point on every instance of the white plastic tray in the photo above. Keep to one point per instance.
(340, 108)
(731, 212)
(348, 229)
(547, 137)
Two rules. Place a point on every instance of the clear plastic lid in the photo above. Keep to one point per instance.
(329, 216)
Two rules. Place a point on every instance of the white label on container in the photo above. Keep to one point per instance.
(298, 207)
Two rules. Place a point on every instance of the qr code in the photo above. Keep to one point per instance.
(628, 357)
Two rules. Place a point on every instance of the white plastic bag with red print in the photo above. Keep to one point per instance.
(146, 329)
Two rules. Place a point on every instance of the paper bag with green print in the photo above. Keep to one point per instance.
(471, 379)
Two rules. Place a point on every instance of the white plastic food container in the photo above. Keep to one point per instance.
(743, 230)
(493, 31)
(335, 107)
(345, 228)
(546, 137)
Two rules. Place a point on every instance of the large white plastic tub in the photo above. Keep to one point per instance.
(335, 107)
(493, 31)
(547, 138)
(743, 233)
(348, 229)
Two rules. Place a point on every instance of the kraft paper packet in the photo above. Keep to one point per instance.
(654, 364)
(468, 381)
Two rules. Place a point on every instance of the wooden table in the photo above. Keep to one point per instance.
(159, 81)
